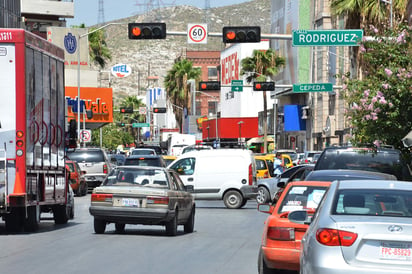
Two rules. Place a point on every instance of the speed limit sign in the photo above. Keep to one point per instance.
(197, 33)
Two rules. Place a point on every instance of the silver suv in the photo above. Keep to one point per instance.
(94, 161)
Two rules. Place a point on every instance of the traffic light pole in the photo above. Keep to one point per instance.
(219, 34)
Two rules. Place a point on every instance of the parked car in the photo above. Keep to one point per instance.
(385, 160)
(76, 178)
(142, 151)
(145, 160)
(143, 195)
(281, 238)
(219, 174)
(308, 158)
(347, 174)
(92, 160)
(299, 159)
(360, 227)
(268, 188)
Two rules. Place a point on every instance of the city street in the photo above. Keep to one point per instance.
(224, 241)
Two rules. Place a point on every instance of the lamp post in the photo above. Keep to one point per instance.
(78, 74)
(240, 131)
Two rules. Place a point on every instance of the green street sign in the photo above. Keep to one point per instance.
(319, 87)
(349, 37)
(140, 125)
(237, 85)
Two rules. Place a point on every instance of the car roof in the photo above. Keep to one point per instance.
(342, 174)
(377, 184)
(140, 167)
(144, 156)
(308, 183)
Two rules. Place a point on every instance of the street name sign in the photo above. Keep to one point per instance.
(318, 87)
(140, 125)
(237, 85)
(350, 37)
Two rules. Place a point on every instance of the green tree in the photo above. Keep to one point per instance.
(98, 50)
(261, 66)
(380, 106)
(176, 84)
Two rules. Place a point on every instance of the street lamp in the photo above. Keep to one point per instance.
(78, 74)
(240, 131)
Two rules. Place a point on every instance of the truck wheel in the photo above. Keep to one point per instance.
(85, 188)
(233, 199)
(99, 226)
(171, 226)
(190, 224)
(33, 219)
(119, 227)
(61, 214)
(263, 195)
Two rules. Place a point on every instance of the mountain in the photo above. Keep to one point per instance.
(156, 57)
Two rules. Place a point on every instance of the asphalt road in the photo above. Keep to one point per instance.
(224, 241)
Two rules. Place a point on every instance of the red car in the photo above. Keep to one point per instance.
(280, 248)
(76, 178)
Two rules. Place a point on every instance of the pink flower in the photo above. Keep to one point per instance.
(382, 100)
(362, 48)
(377, 143)
(390, 105)
(367, 117)
(366, 93)
(374, 99)
(385, 86)
(380, 94)
(388, 72)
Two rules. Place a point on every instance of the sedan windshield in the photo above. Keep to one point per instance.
(136, 177)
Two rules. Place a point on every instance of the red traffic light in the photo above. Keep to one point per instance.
(159, 110)
(259, 86)
(126, 110)
(210, 85)
(147, 30)
(243, 34)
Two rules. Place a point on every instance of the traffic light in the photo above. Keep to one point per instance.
(259, 86)
(147, 30)
(126, 110)
(246, 34)
(159, 110)
(211, 85)
(121, 124)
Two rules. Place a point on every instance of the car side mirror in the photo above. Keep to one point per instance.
(265, 208)
(281, 184)
(189, 188)
(300, 217)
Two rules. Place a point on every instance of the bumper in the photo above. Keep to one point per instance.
(144, 216)
(281, 258)
(249, 192)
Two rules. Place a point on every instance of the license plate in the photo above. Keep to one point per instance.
(396, 251)
(128, 202)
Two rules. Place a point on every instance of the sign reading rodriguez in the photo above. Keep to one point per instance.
(326, 37)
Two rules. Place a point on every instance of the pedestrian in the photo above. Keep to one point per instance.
(278, 165)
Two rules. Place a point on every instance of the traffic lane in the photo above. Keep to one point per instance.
(224, 241)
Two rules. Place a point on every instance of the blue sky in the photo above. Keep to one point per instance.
(87, 11)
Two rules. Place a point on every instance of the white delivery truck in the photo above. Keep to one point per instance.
(177, 142)
(219, 174)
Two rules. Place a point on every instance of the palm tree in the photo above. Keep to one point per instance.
(261, 66)
(176, 84)
(135, 116)
(98, 50)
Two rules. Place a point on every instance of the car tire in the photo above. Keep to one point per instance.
(262, 268)
(85, 189)
(99, 226)
(79, 191)
(31, 223)
(263, 195)
(244, 203)
(61, 214)
(233, 199)
(119, 227)
(171, 226)
(190, 224)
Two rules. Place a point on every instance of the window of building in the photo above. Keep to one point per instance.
(212, 107)
(212, 73)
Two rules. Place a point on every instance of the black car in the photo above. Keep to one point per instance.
(145, 160)
(331, 175)
(384, 160)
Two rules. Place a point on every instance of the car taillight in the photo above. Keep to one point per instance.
(281, 233)
(250, 175)
(102, 197)
(265, 175)
(157, 200)
(105, 170)
(335, 237)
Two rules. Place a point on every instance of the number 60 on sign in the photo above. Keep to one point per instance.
(197, 33)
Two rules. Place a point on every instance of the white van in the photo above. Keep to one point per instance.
(178, 141)
(219, 174)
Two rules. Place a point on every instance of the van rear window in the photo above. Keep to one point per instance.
(86, 156)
